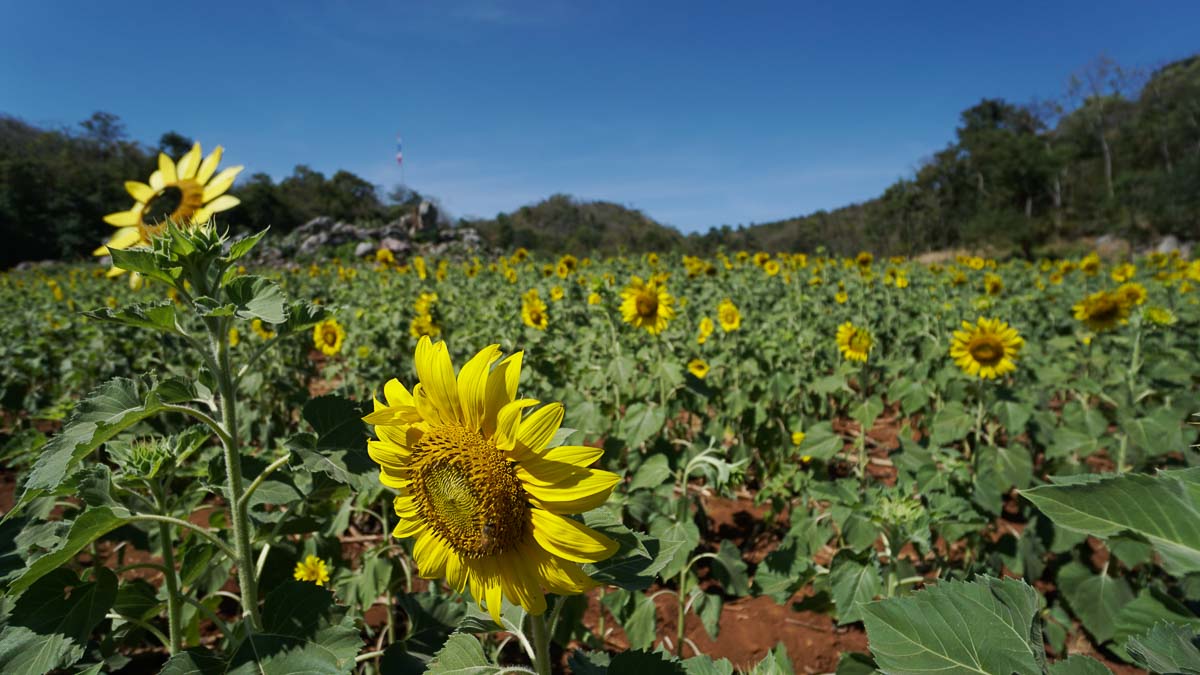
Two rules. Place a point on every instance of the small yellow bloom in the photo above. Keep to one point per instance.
(705, 330)
(556, 293)
(647, 304)
(533, 311)
(841, 297)
(594, 299)
(261, 330)
(328, 336)
(853, 342)
(1161, 316)
(363, 352)
(312, 569)
(385, 257)
(993, 284)
(698, 367)
(1123, 272)
(729, 316)
(771, 267)
(797, 438)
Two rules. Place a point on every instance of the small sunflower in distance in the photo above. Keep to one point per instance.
(186, 192)
(987, 348)
(484, 498)
(704, 330)
(533, 310)
(646, 304)
(729, 316)
(1102, 311)
(312, 569)
(698, 367)
(853, 342)
(328, 336)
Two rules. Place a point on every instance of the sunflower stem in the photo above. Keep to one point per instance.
(541, 644)
(170, 576)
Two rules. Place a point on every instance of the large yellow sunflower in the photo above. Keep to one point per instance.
(1102, 310)
(646, 304)
(853, 342)
(187, 192)
(479, 490)
(988, 348)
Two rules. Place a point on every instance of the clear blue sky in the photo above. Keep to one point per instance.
(697, 113)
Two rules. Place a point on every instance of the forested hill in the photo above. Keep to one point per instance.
(1117, 152)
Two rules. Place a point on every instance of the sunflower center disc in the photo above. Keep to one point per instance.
(468, 493)
(860, 342)
(987, 351)
(647, 305)
(163, 205)
(330, 337)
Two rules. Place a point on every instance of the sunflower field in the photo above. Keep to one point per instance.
(748, 462)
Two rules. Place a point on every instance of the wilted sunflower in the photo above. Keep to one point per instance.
(987, 349)
(646, 304)
(1102, 310)
(533, 311)
(698, 367)
(328, 336)
(729, 316)
(186, 192)
(484, 498)
(853, 342)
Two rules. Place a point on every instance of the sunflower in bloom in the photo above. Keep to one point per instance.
(841, 297)
(864, 260)
(594, 299)
(187, 192)
(384, 256)
(729, 316)
(853, 342)
(1102, 310)
(1132, 293)
(993, 284)
(556, 293)
(328, 336)
(797, 438)
(1161, 316)
(484, 498)
(1090, 264)
(987, 348)
(698, 367)
(312, 569)
(1123, 272)
(533, 310)
(646, 304)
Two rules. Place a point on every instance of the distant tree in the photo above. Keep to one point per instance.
(174, 144)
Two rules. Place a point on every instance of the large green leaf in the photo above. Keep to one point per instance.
(256, 297)
(1095, 598)
(1159, 508)
(855, 583)
(985, 626)
(158, 316)
(1166, 648)
(50, 623)
(642, 422)
(108, 410)
(88, 527)
(303, 632)
(640, 558)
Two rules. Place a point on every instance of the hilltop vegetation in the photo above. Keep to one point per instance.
(1118, 153)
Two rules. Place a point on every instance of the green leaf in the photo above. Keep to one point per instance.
(654, 471)
(243, 246)
(640, 626)
(950, 424)
(337, 422)
(645, 663)
(640, 558)
(1156, 434)
(910, 394)
(257, 297)
(732, 571)
(158, 316)
(88, 527)
(1013, 415)
(1166, 648)
(854, 584)
(866, 412)
(108, 410)
(855, 663)
(984, 626)
(301, 316)
(820, 442)
(642, 421)
(1158, 508)
(303, 631)
(686, 533)
(461, 655)
(51, 622)
(1095, 598)
(1148, 609)
(144, 262)
(705, 665)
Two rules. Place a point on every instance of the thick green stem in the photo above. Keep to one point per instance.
(238, 508)
(171, 578)
(541, 644)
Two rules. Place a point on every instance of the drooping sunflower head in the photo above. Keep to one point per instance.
(1102, 311)
(186, 192)
(328, 337)
(646, 304)
(479, 489)
(987, 348)
(854, 342)
(729, 316)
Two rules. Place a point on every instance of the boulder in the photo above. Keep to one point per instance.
(364, 249)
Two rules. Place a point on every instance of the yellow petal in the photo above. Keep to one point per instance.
(537, 471)
(139, 191)
(222, 203)
(189, 163)
(579, 494)
(492, 591)
(220, 183)
(537, 429)
(209, 166)
(124, 218)
(456, 572)
(437, 378)
(101, 250)
(409, 528)
(202, 215)
(579, 455)
(156, 180)
(166, 167)
(522, 583)
(396, 393)
(431, 553)
(558, 575)
(124, 238)
(472, 380)
(501, 390)
(569, 539)
(508, 423)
